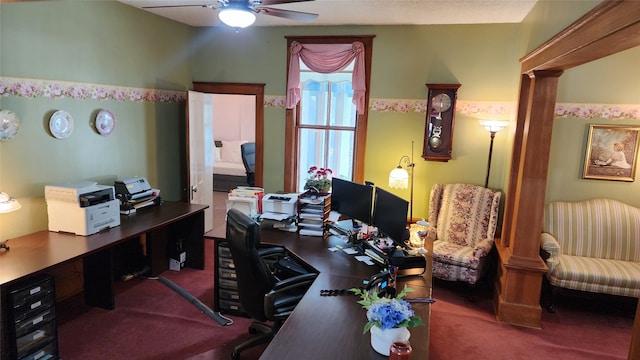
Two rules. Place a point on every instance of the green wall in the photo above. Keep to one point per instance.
(106, 42)
(405, 58)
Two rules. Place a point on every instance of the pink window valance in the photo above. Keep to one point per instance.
(325, 59)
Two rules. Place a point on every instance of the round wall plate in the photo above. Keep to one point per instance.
(105, 122)
(9, 124)
(61, 124)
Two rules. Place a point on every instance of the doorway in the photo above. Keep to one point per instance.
(255, 92)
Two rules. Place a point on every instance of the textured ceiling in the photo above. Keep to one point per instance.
(359, 12)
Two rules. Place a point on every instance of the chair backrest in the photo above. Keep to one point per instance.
(463, 214)
(253, 276)
(248, 151)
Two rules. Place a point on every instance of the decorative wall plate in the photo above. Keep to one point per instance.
(105, 122)
(61, 124)
(9, 124)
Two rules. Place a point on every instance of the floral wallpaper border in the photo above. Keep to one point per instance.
(57, 89)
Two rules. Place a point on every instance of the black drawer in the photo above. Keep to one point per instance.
(24, 326)
(227, 274)
(34, 306)
(230, 306)
(226, 263)
(224, 252)
(24, 297)
(35, 339)
(227, 284)
(47, 352)
(227, 294)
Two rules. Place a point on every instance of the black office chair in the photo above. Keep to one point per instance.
(248, 151)
(262, 294)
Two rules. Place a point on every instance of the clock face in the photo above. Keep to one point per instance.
(441, 102)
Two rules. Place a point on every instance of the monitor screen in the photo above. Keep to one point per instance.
(351, 200)
(390, 215)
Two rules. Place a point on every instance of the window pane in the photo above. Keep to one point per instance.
(343, 111)
(313, 105)
(311, 153)
(331, 149)
(340, 156)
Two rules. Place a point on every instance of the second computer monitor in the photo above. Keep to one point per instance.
(351, 200)
(390, 215)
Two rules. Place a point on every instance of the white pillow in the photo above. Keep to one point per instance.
(217, 154)
(231, 151)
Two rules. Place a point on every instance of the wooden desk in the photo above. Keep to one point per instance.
(330, 327)
(41, 251)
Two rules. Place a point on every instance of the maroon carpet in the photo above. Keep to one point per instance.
(151, 321)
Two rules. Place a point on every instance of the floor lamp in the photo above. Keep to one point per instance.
(7, 204)
(399, 178)
(492, 126)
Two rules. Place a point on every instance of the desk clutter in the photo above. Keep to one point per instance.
(321, 214)
(86, 207)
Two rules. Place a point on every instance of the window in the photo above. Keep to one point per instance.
(324, 128)
(327, 123)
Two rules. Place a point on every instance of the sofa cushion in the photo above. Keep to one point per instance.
(454, 254)
(597, 275)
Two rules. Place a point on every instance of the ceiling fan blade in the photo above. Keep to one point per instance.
(278, 2)
(177, 6)
(287, 14)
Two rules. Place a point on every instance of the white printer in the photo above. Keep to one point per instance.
(82, 208)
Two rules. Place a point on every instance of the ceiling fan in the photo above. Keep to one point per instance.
(242, 13)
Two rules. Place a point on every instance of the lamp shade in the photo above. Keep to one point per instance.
(237, 16)
(8, 204)
(399, 178)
(494, 125)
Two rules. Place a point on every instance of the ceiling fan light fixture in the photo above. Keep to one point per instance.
(237, 16)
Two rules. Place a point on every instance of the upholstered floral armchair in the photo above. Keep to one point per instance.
(463, 218)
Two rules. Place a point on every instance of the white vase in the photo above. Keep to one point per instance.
(381, 340)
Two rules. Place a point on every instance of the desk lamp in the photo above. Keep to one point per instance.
(399, 178)
(492, 126)
(7, 205)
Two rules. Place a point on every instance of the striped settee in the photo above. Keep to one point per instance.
(592, 245)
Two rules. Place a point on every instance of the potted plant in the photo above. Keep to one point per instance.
(389, 318)
(319, 179)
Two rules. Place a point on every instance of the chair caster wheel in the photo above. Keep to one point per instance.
(235, 355)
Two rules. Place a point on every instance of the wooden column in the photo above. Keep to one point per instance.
(519, 280)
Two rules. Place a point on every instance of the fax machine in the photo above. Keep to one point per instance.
(82, 208)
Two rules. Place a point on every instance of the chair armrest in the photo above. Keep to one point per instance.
(275, 251)
(286, 294)
(550, 245)
(483, 247)
(294, 282)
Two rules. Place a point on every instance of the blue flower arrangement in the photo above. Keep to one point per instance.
(387, 313)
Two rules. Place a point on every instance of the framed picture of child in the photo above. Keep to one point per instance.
(612, 152)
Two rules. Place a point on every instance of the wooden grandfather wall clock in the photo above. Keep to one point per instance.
(438, 130)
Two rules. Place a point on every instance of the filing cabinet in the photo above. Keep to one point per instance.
(226, 298)
(31, 330)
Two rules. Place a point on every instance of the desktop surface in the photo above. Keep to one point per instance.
(330, 327)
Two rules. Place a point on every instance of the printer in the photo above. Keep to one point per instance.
(135, 193)
(82, 208)
(280, 203)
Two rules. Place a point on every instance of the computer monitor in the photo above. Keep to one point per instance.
(351, 200)
(390, 215)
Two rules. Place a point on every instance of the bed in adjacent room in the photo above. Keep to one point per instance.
(228, 169)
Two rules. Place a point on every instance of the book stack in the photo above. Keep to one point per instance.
(313, 210)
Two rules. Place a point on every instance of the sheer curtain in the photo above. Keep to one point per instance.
(327, 58)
